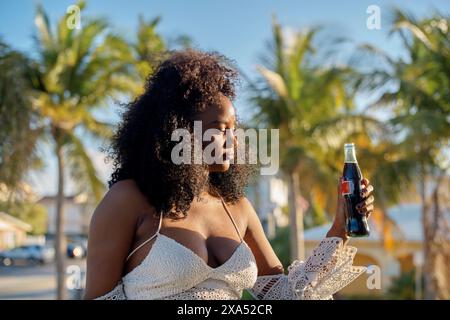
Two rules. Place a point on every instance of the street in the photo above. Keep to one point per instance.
(28, 282)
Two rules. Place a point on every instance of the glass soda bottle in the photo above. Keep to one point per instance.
(356, 223)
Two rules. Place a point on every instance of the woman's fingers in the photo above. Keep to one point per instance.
(366, 202)
(367, 211)
(366, 206)
(366, 191)
(365, 182)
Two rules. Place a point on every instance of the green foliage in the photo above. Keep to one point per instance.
(339, 296)
(247, 296)
(403, 287)
(310, 101)
(315, 216)
(148, 43)
(52, 97)
(419, 94)
(76, 72)
(18, 134)
(281, 245)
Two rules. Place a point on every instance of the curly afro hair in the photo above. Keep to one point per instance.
(183, 85)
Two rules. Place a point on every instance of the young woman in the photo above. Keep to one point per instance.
(187, 231)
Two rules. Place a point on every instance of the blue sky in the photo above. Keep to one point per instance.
(238, 29)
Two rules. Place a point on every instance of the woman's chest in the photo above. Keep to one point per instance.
(207, 231)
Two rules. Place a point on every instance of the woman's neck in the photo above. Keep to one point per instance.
(210, 193)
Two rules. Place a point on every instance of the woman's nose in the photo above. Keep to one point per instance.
(231, 139)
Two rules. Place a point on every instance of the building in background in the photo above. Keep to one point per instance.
(269, 195)
(404, 255)
(13, 232)
(77, 211)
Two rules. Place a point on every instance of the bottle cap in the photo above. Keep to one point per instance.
(349, 145)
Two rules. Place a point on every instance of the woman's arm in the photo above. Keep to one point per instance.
(266, 259)
(111, 234)
(327, 270)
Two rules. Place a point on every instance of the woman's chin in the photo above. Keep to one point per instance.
(220, 167)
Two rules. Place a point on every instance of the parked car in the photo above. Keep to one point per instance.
(36, 254)
(77, 249)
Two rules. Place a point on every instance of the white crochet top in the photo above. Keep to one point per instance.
(172, 271)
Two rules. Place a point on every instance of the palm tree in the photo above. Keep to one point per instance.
(303, 100)
(149, 49)
(56, 94)
(424, 111)
(147, 44)
(74, 73)
(417, 91)
(18, 132)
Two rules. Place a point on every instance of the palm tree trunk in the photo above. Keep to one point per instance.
(295, 218)
(60, 240)
(384, 223)
(432, 270)
(441, 246)
(427, 240)
(436, 247)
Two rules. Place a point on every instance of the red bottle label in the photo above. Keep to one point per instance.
(347, 187)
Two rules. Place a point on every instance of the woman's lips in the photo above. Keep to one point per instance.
(228, 155)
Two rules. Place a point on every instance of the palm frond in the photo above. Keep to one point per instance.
(43, 27)
(275, 81)
(402, 20)
(82, 169)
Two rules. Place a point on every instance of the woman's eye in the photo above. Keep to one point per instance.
(224, 131)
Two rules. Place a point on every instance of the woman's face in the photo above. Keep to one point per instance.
(221, 117)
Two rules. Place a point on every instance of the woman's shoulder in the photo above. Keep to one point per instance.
(245, 209)
(123, 202)
(126, 187)
(111, 234)
(244, 205)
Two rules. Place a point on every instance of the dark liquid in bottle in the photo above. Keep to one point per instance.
(356, 223)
